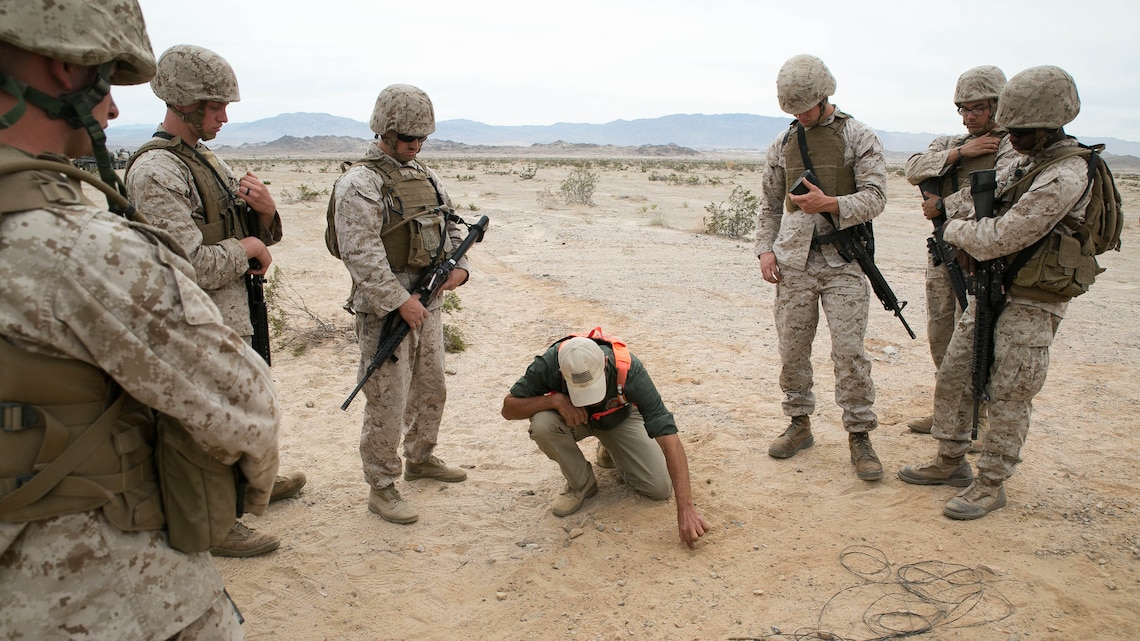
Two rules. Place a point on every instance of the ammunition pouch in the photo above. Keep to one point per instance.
(1055, 271)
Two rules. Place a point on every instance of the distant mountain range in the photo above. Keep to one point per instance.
(720, 132)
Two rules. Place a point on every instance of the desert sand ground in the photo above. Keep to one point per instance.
(797, 546)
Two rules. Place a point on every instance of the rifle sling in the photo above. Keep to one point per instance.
(839, 234)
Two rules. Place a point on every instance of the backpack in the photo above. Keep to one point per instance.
(1059, 267)
(330, 215)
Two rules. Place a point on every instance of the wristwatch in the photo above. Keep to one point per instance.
(940, 205)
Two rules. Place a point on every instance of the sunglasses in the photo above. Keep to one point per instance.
(1021, 133)
(409, 139)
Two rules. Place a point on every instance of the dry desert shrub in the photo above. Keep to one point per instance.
(292, 323)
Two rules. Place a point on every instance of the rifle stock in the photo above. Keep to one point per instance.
(940, 251)
(989, 296)
(427, 284)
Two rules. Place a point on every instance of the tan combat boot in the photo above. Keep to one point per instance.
(602, 457)
(863, 457)
(433, 468)
(571, 500)
(976, 501)
(287, 486)
(797, 437)
(941, 471)
(391, 507)
(921, 425)
(243, 542)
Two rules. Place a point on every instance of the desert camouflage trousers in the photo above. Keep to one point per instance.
(402, 399)
(1022, 336)
(76, 576)
(843, 294)
(942, 310)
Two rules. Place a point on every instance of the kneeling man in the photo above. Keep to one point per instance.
(592, 386)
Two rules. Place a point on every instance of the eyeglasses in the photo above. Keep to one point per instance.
(977, 111)
(407, 138)
(1022, 133)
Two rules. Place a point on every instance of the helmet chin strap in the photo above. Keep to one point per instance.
(75, 108)
(194, 119)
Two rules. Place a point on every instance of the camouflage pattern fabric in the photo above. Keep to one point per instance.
(941, 305)
(812, 279)
(162, 188)
(406, 397)
(1024, 331)
(83, 284)
(361, 211)
(789, 234)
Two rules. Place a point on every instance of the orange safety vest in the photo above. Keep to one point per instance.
(621, 362)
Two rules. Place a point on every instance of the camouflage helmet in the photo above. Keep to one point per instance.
(404, 109)
(980, 83)
(1039, 98)
(188, 74)
(83, 32)
(803, 82)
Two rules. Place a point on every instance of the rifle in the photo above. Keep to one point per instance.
(858, 243)
(940, 251)
(255, 292)
(427, 284)
(989, 295)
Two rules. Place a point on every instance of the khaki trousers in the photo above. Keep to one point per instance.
(638, 457)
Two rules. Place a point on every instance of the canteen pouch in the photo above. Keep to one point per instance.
(199, 492)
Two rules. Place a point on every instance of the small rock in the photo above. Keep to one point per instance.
(617, 529)
(310, 404)
(576, 532)
(419, 548)
(502, 596)
(758, 592)
(599, 527)
(1110, 584)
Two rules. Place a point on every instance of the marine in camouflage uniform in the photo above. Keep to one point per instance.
(809, 274)
(1034, 106)
(378, 201)
(220, 222)
(112, 305)
(950, 159)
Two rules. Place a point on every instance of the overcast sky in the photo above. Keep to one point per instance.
(539, 62)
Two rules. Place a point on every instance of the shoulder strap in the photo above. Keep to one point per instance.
(55, 191)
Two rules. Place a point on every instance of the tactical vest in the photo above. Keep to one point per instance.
(73, 441)
(224, 214)
(959, 175)
(825, 148)
(416, 229)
